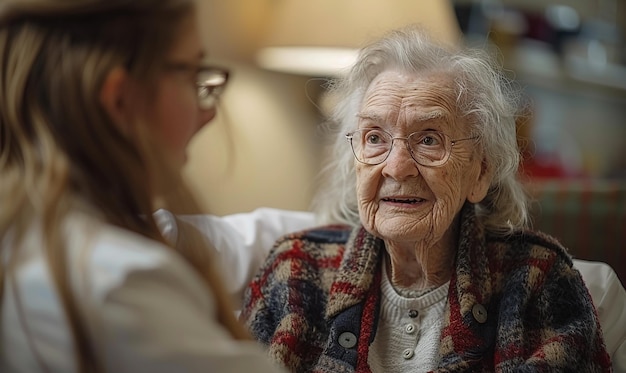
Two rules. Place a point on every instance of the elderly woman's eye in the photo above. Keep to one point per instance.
(374, 138)
(430, 139)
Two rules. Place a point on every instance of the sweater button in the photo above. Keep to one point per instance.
(409, 328)
(480, 313)
(347, 340)
(413, 313)
(408, 353)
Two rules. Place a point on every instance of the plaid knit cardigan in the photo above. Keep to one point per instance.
(515, 304)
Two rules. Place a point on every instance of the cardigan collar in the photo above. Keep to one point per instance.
(361, 260)
(470, 322)
(472, 273)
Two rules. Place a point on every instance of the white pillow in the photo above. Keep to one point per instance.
(609, 297)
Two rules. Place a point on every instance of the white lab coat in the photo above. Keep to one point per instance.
(147, 310)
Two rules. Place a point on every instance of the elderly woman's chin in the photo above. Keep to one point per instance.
(418, 222)
(401, 227)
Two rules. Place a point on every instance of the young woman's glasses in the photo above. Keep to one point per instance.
(210, 81)
(428, 148)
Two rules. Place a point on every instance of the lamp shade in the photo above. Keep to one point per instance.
(321, 37)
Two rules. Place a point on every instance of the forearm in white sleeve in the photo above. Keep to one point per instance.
(241, 240)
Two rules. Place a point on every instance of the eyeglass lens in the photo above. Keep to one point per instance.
(373, 146)
(211, 84)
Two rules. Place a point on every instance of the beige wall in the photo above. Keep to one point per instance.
(262, 148)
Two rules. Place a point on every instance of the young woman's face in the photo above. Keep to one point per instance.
(176, 113)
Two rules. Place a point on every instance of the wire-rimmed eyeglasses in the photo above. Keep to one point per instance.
(372, 146)
(210, 81)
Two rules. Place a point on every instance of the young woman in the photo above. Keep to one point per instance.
(98, 101)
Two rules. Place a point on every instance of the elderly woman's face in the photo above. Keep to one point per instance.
(399, 199)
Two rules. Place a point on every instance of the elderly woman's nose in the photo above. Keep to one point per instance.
(400, 164)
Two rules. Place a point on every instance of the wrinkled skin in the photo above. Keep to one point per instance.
(413, 208)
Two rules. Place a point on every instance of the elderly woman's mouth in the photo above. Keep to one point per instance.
(403, 200)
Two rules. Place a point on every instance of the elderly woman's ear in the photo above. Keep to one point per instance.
(483, 182)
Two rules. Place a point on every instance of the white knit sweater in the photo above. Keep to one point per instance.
(407, 338)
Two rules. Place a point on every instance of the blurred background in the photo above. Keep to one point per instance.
(568, 58)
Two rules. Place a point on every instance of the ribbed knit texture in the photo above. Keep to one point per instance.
(398, 332)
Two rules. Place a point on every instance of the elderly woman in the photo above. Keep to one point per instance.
(433, 266)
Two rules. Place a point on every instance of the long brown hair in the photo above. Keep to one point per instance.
(59, 148)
